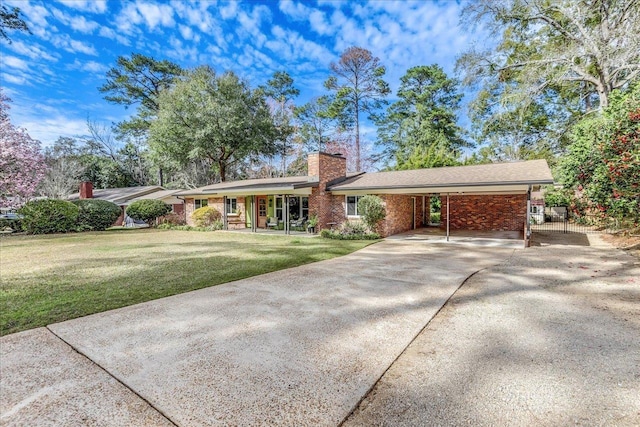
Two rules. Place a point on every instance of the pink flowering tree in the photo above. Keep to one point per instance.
(22, 165)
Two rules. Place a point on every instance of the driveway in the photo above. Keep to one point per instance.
(549, 337)
(296, 347)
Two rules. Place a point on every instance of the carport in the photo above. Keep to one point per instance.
(494, 197)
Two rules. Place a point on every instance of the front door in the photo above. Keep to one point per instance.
(262, 212)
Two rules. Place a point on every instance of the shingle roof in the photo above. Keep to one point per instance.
(527, 172)
(248, 184)
(120, 195)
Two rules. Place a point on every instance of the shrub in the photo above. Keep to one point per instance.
(173, 219)
(371, 210)
(216, 225)
(94, 214)
(205, 216)
(49, 216)
(350, 230)
(336, 235)
(148, 210)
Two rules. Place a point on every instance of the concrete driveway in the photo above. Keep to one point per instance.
(296, 347)
(550, 337)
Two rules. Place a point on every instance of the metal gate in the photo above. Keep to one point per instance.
(560, 219)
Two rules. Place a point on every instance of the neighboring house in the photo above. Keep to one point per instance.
(478, 197)
(123, 197)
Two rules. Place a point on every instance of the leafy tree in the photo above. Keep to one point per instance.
(582, 52)
(359, 88)
(219, 118)
(11, 20)
(603, 161)
(147, 210)
(281, 91)
(315, 124)
(419, 130)
(22, 165)
(138, 80)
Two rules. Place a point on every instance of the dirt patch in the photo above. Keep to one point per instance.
(625, 241)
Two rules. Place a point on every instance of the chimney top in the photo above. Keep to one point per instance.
(86, 190)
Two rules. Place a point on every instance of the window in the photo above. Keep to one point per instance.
(199, 203)
(232, 206)
(279, 209)
(352, 205)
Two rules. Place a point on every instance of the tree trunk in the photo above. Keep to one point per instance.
(223, 170)
(358, 168)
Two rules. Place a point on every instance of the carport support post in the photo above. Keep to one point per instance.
(225, 222)
(447, 217)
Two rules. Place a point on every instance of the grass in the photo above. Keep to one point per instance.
(48, 279)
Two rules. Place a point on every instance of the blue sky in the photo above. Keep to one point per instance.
(53, 75)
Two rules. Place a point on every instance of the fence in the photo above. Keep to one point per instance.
(560, 220)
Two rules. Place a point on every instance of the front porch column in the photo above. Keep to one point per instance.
(286, 215)
(225, 220)
(254, 225)
(447, 217)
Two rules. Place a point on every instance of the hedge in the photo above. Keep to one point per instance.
(95, 214)
(49, 216)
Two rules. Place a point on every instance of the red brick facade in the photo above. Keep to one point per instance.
(403, 212)
(506, 212)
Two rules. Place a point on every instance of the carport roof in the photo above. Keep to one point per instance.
(495, 175)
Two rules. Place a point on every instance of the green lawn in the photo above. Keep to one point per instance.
(48, 279)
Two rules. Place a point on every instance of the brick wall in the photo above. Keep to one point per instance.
(399, 210)
(485, 212)
(328, 207)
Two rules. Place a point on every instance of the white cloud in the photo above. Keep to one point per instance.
(81, 24)
(73, 46)
(13, 62)
(229, 10)
(93, 6)
(156, 14)
(89, 66)
(110, 34)
(15, 79)
(295, 10)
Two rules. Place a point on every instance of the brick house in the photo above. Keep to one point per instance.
(478, 197)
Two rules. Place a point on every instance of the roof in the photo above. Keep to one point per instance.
(532, 172)
(157, 195)
(264, 185)
(121, 196)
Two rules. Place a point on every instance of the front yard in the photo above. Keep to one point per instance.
(48, 279)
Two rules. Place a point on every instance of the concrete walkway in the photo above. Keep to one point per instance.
(551, 337)
(297, 347)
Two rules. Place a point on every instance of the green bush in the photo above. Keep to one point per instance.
(94, 214)
(216, 225)
(205, 216)
(336, 235)
(148, 210)
(350, 230)
(49, 216)
(371, 210)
